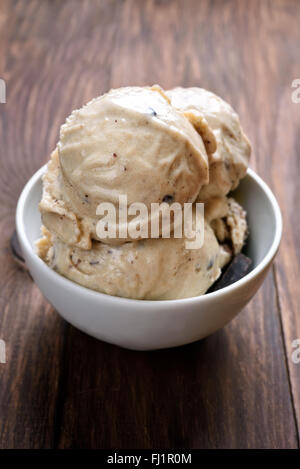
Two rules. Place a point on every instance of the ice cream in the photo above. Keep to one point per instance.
(152, 147)
(228, 220)
(227, 146)
(131, 142)
(153, 269)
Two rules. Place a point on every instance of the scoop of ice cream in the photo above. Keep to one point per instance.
(227, 146)
(130, 142)
(134, 142)
(153, 269)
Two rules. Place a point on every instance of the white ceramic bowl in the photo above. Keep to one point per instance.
(146, 325)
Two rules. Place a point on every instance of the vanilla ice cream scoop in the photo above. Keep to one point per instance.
(130, 142)
(227, 146)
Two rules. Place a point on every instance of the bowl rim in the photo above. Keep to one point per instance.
(25, 244)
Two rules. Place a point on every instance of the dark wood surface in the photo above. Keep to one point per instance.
(238, 388)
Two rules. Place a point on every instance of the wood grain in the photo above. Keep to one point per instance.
(238, 388)
(228, 391)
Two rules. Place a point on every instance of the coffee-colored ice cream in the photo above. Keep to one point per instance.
(153, 269)
(153, 148)
(227, 146)
(130, 142)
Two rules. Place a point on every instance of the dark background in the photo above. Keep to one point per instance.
(238, 388)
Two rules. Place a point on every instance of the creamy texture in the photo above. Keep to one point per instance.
(219, 125)
(57, 214)
(153, 269)
(133, 142)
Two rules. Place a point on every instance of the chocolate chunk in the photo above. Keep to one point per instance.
(168, 198)
(237, 269)
(152, 112)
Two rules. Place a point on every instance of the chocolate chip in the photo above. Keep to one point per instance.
(168, 198)
(152, 112)
(93, 262)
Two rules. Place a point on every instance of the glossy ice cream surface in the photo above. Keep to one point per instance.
(132, 141)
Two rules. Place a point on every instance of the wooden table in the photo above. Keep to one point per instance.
(238, 388)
